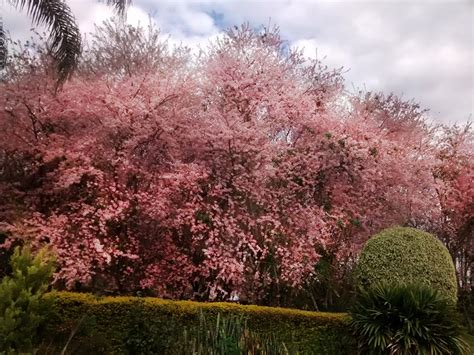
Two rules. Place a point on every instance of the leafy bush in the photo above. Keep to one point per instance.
(145, 335)
(22, 308)
(126, 324)
(406, 319)
(407, 255)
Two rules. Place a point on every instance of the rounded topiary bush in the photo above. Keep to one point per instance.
(406, 256)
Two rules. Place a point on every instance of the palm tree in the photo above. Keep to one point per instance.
(65, 37)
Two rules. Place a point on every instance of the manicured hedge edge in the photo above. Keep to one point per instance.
(107, 322)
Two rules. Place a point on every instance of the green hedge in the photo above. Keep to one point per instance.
(108, 324)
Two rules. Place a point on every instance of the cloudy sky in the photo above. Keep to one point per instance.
(421, 49)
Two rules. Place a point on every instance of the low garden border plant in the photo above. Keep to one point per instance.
(152, 325)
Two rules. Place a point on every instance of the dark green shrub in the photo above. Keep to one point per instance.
(466, 307)
(81, 339)
(146, 335)
(5, 256)
(407, 255)
(406, 319)
(332, 290)
(22, 308)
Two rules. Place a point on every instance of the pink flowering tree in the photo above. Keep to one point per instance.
(225, 175)
(454, 176)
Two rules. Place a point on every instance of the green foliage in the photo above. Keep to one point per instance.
(331, 291)
(145, 336)
(126, 324)
(22, 308)
(5, 255)
(406, 319)
(407, 255)
(227, 335)
(466, 307)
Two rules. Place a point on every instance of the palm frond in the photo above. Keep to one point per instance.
(65, 37)
(3, 45)
(119, 5)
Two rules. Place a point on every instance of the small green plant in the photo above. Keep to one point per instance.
(229, 335)
(222, 338)
(406, 319)
(22, 308)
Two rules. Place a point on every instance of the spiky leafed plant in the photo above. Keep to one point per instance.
(408, 319)
(228, 334)
(65, 37)
(3, 47)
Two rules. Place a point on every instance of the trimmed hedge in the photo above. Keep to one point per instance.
(406, 256)
(109, 324)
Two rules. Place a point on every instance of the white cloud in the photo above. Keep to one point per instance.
(418, 49)
(422, 49)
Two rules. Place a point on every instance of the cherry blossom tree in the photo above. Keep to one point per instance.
(454, 176)
(226, 174)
